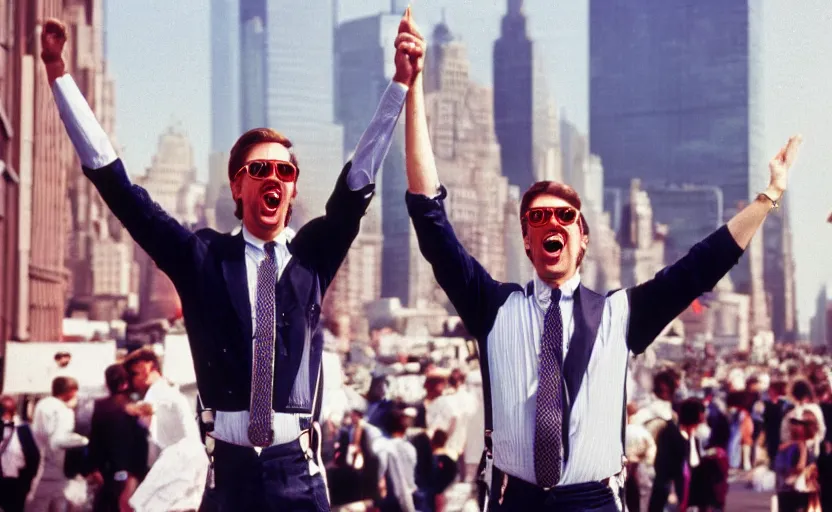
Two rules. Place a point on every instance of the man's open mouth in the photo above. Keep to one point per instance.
(553, 243)
(271, 198)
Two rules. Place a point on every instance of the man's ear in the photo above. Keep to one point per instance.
(584, 242)
(236, 188)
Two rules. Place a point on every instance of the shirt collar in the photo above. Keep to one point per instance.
(543, 292)
(283, 238)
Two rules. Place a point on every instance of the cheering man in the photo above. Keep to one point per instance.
(554, 353)
(251, 301)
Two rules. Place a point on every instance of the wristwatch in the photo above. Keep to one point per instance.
(774, 203)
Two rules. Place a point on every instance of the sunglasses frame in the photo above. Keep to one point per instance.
(274, 164)
(549, 212)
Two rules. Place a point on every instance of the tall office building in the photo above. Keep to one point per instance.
(40, 155)
(225, 110)
(675, 97)
(286, 83)
(524, 114)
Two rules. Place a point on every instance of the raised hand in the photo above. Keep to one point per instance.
(52, 40)
(780, 165)
(410, 50)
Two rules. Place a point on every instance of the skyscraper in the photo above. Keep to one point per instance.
(675, 97)
(525, 119)
(41, 156)
(225, 110)
(286, 83)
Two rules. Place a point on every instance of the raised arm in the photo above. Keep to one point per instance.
(655, 303)
(356, 185)
(161, 236)
(473, 292)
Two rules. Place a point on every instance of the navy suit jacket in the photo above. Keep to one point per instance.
(209, 273)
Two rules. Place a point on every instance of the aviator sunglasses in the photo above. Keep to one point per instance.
(262, 169)
(565, 215)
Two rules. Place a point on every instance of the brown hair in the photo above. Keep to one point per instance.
(63, 385)
(239, 153)
(142, 355)
(557, 189)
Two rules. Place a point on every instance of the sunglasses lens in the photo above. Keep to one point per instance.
(537, 217)
(566, 216)
(259, 169)
(286, 172)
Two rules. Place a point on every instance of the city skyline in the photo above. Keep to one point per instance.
(792, 74)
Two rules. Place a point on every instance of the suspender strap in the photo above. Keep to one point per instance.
(486, 398)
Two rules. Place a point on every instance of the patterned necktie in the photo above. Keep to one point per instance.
(549, 418)
(260, 431)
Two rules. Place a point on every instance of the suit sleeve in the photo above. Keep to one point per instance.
(161, 236)
(167, 241)
(473, 292)
(324, 241)
(655, 303)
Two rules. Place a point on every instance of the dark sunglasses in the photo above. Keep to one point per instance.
(565, 215)
(262, 169)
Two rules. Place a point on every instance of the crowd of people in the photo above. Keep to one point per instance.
(762, 425)
(138, 448)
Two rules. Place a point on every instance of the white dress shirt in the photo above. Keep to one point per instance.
(173, 419)
(53, 427)
(95, 151)
(12, 459)
(513, 358)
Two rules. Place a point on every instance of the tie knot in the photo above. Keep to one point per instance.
(556, 293)
(269, 248)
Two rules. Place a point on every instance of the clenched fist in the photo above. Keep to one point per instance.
(410, 51)
(52, 41)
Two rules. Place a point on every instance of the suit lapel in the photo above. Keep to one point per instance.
(236, 280)
(588, 309)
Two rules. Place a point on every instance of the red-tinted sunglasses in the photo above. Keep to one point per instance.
(262, 169)
(565, 215)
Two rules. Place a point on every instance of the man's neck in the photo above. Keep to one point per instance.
(265, 235)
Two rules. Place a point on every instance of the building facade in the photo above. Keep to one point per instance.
(680, 102)
(525, 117)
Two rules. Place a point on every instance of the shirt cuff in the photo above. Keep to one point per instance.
(89, 139)
(377, 138)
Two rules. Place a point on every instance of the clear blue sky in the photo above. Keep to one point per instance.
(159, 55)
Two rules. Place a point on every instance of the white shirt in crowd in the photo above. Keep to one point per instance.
(12, 459)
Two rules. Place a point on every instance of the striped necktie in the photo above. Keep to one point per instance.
(548, 440)
(260, 431)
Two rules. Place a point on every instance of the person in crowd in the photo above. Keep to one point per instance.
(464, 406)
(777, 405)
(640, 449)
(794, 464)
(53, 426)
(804, 399)
(678, 454)
(118, 445)
(19, 457)
(177, 477)
(397, 467)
